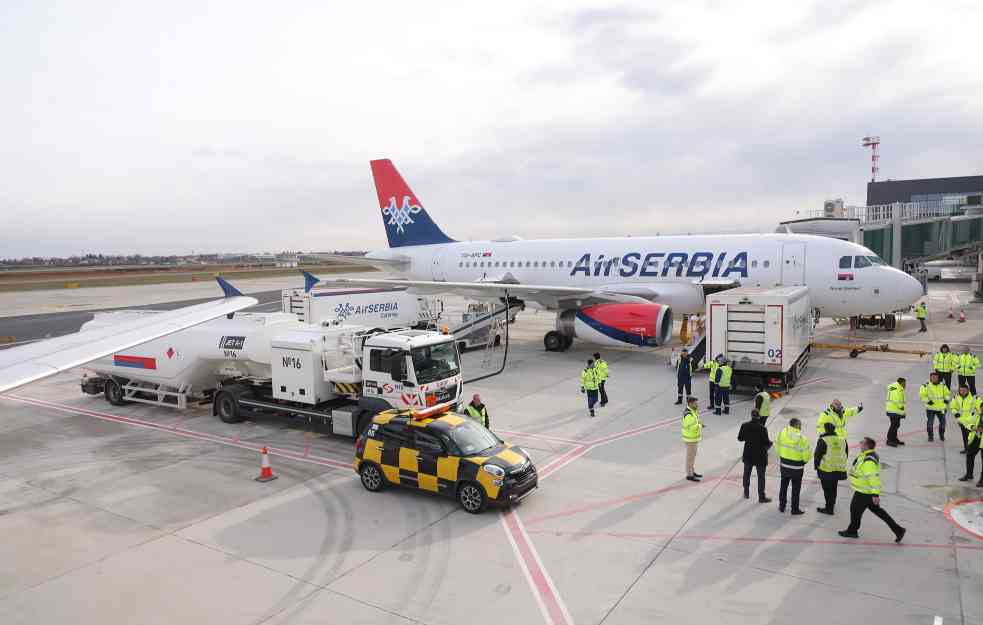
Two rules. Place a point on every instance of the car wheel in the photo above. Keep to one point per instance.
(372, 478)
(472, 498)
(553, 341)
(113, 392)
(227, 407)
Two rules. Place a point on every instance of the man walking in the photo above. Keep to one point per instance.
(945, 362)
(754, 435)
(684, 375)
(836, 414)
(968, 364)
(865, 478)
(724, 375)
(692, 435)
(711, 367)
(830, 462)
(477, 410)
(921, 313)
(894, 406)
(762, 402)
(589, 384)
(602, 376)
(963, 405)
(935, 396)
(793, 451)
(974, 428)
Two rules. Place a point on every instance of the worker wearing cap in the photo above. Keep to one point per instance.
(794, 453)
(477, 410)
(589, 384)
(762, 402)
(865, 479)
(684, 376)
(894, 406)
(724, 374)
(921, 313)
(601, 366)
(711, 367)
(836, 414)
(966, 368)
(692, 430)
(974, 428)
(963, 406)
(945, 362)
(935, 395)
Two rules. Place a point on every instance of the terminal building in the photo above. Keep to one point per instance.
(906, 220)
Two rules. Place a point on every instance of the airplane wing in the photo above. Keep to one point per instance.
(28, 363)
(550, 297)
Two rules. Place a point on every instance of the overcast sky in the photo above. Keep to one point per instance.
(167, 127)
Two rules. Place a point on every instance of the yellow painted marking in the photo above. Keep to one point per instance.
(447, 467)
(392, 474)
(373, 451)
(427, 482)
(510, 457)
(408, 460)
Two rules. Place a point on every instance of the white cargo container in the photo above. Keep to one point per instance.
(375, 308)
(765, 333)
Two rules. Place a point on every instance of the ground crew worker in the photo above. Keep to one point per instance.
(935, 395)
(692, 435)
(865, 478)
(921, 313)
(974, 427)
(762, 402)
(966, 368)
(684, 375)
(945, 362)
(754, 435)
(894, 406)
(724, 375)
(477, 410)
(589, 384)
(712, 368)
(602, 376)
(963, 405)
(836, 414)
(793, 452)
(830, 462)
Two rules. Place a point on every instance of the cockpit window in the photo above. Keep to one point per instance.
(845, 262)
(877, 260)
(861, 261)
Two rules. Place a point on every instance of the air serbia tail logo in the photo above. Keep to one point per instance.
(399, 216)
(406, 221)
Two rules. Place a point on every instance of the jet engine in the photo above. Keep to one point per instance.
(643, 325)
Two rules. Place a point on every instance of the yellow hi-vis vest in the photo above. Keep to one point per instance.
(793, 448)
(835, 458)
(865, 473)
(602, 369)
(968, 364)
(895, 399)
(692, 426)
(480, 416)
(765, 410)
(712, 367)
(724, 372)
(921, 311)
(829, 416)
(944, 362)
(588, 379)
(934, 396)
(971, 420)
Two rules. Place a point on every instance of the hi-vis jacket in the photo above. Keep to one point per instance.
(968, 364)
(935, 396)
(895, 404)
(692, 426)
(793, 448)
(830, 416)
(945, 362)
(865, 473)
(588, 379)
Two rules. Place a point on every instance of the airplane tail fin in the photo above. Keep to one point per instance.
(406, 221)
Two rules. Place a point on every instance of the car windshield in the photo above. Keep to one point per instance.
(435, 362)
(471, 438)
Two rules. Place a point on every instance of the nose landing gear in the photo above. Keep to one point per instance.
(556, 342)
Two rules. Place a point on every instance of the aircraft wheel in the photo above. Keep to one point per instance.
(553, 341)
(567, 342)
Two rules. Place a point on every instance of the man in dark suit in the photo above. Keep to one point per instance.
(754, 435)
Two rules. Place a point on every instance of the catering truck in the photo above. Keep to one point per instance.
(333, 374)
(765, 333)
(375, 308)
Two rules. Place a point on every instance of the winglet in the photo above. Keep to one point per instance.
(309, 281)
(228, 289)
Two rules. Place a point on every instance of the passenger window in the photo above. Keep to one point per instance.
(535, 263)
(754, 264)
(767, 263)
(860, 262)
(393, 434)
(845, 262)
(552, 263)
(428, 443)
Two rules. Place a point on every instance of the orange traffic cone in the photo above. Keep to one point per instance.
(962, 316)
(265, 472)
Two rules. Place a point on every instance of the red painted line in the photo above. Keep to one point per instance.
(562, 461)
(202, 436)
(755, 539)
(545, 437)
(307, 448)
(948, 515)
(548, 599)
(627, 433)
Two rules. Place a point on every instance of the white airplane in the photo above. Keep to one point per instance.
(622, 291)
(24, 364)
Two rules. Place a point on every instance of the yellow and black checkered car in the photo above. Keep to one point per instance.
(446, 454)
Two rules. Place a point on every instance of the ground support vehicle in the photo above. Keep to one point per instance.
(765, 333)
(375, 308)
(447, 454)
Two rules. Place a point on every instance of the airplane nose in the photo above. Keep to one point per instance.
(910, 290)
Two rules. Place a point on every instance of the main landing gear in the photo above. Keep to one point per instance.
(556, 342)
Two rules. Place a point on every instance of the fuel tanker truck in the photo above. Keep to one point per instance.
(333, 374)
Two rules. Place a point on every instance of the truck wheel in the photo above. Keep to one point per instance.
(113, 392)
(372, 478)
(553, 341)
(227, 407)
(472, 497)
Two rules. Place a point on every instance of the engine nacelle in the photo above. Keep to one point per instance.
(644, 325)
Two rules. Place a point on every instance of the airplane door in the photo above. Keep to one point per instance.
(793, 264)
(436, 266)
